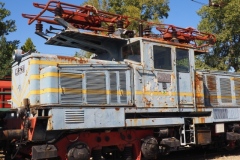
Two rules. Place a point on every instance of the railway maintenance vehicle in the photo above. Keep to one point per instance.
(139, 98)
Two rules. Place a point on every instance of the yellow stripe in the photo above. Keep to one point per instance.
(49, 74)
(75, 91)
(199, 95)
(187, 94)
(49, 90)
(48, 63)
(54, 74)
(72, 75)
(155, 93)
(42, 62)
(35, 77)
(71, 91)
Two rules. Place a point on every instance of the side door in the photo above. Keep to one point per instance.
(185, 78)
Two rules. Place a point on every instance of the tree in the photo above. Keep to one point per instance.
(224, 22)
(98, 4)
(142, 9)
(28, 46)
(7, 25)
(146, 10)
(6, 47)
(6, 50)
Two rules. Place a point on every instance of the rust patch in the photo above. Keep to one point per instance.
(135, 122)
(212, 87)
(147, 102)
(173, 76)
(117, 109)
(75, 60)
(50, 125)
(199, 90)
(201, 120)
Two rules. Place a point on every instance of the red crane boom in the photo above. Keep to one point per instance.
(89, 18)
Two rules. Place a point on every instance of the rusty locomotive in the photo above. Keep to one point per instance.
(138, 98)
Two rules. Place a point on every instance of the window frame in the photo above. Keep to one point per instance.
(125, 56)
(171, 57)
(188, 67)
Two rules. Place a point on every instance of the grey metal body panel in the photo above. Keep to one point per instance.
(157, 122)
(86, 118)
(82, 93)
(106, 47)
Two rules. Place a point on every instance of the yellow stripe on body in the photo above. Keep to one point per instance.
(35, 77)
(155, 93)
(74, 91)
(43, 62)
(48, 63)
(71, 75)
(187, 94)
(71, 91)
(55, 74)
(48, 74)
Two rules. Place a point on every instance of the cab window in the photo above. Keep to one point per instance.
(182, 61)
(132, 51)
(162, 57)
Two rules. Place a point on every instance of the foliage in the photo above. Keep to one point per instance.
(98, 4)
(146, 10)
(6, 50)
(6, 47)
(7, 25)
(143, 9)
(28, 46)
(82, 53)
(224, 23)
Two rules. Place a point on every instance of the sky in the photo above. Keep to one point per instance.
(183, 13)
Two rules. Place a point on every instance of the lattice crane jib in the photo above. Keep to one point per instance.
(88, 18)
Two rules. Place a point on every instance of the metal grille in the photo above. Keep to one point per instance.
(113, 87)
(71, 86)
(211, 90)
(237, 89)
(74, 116)
(96, 88)
(226, 95)
(123, 87)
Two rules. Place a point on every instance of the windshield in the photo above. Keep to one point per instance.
(132, 51)
(182, 60)
(162, 57)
